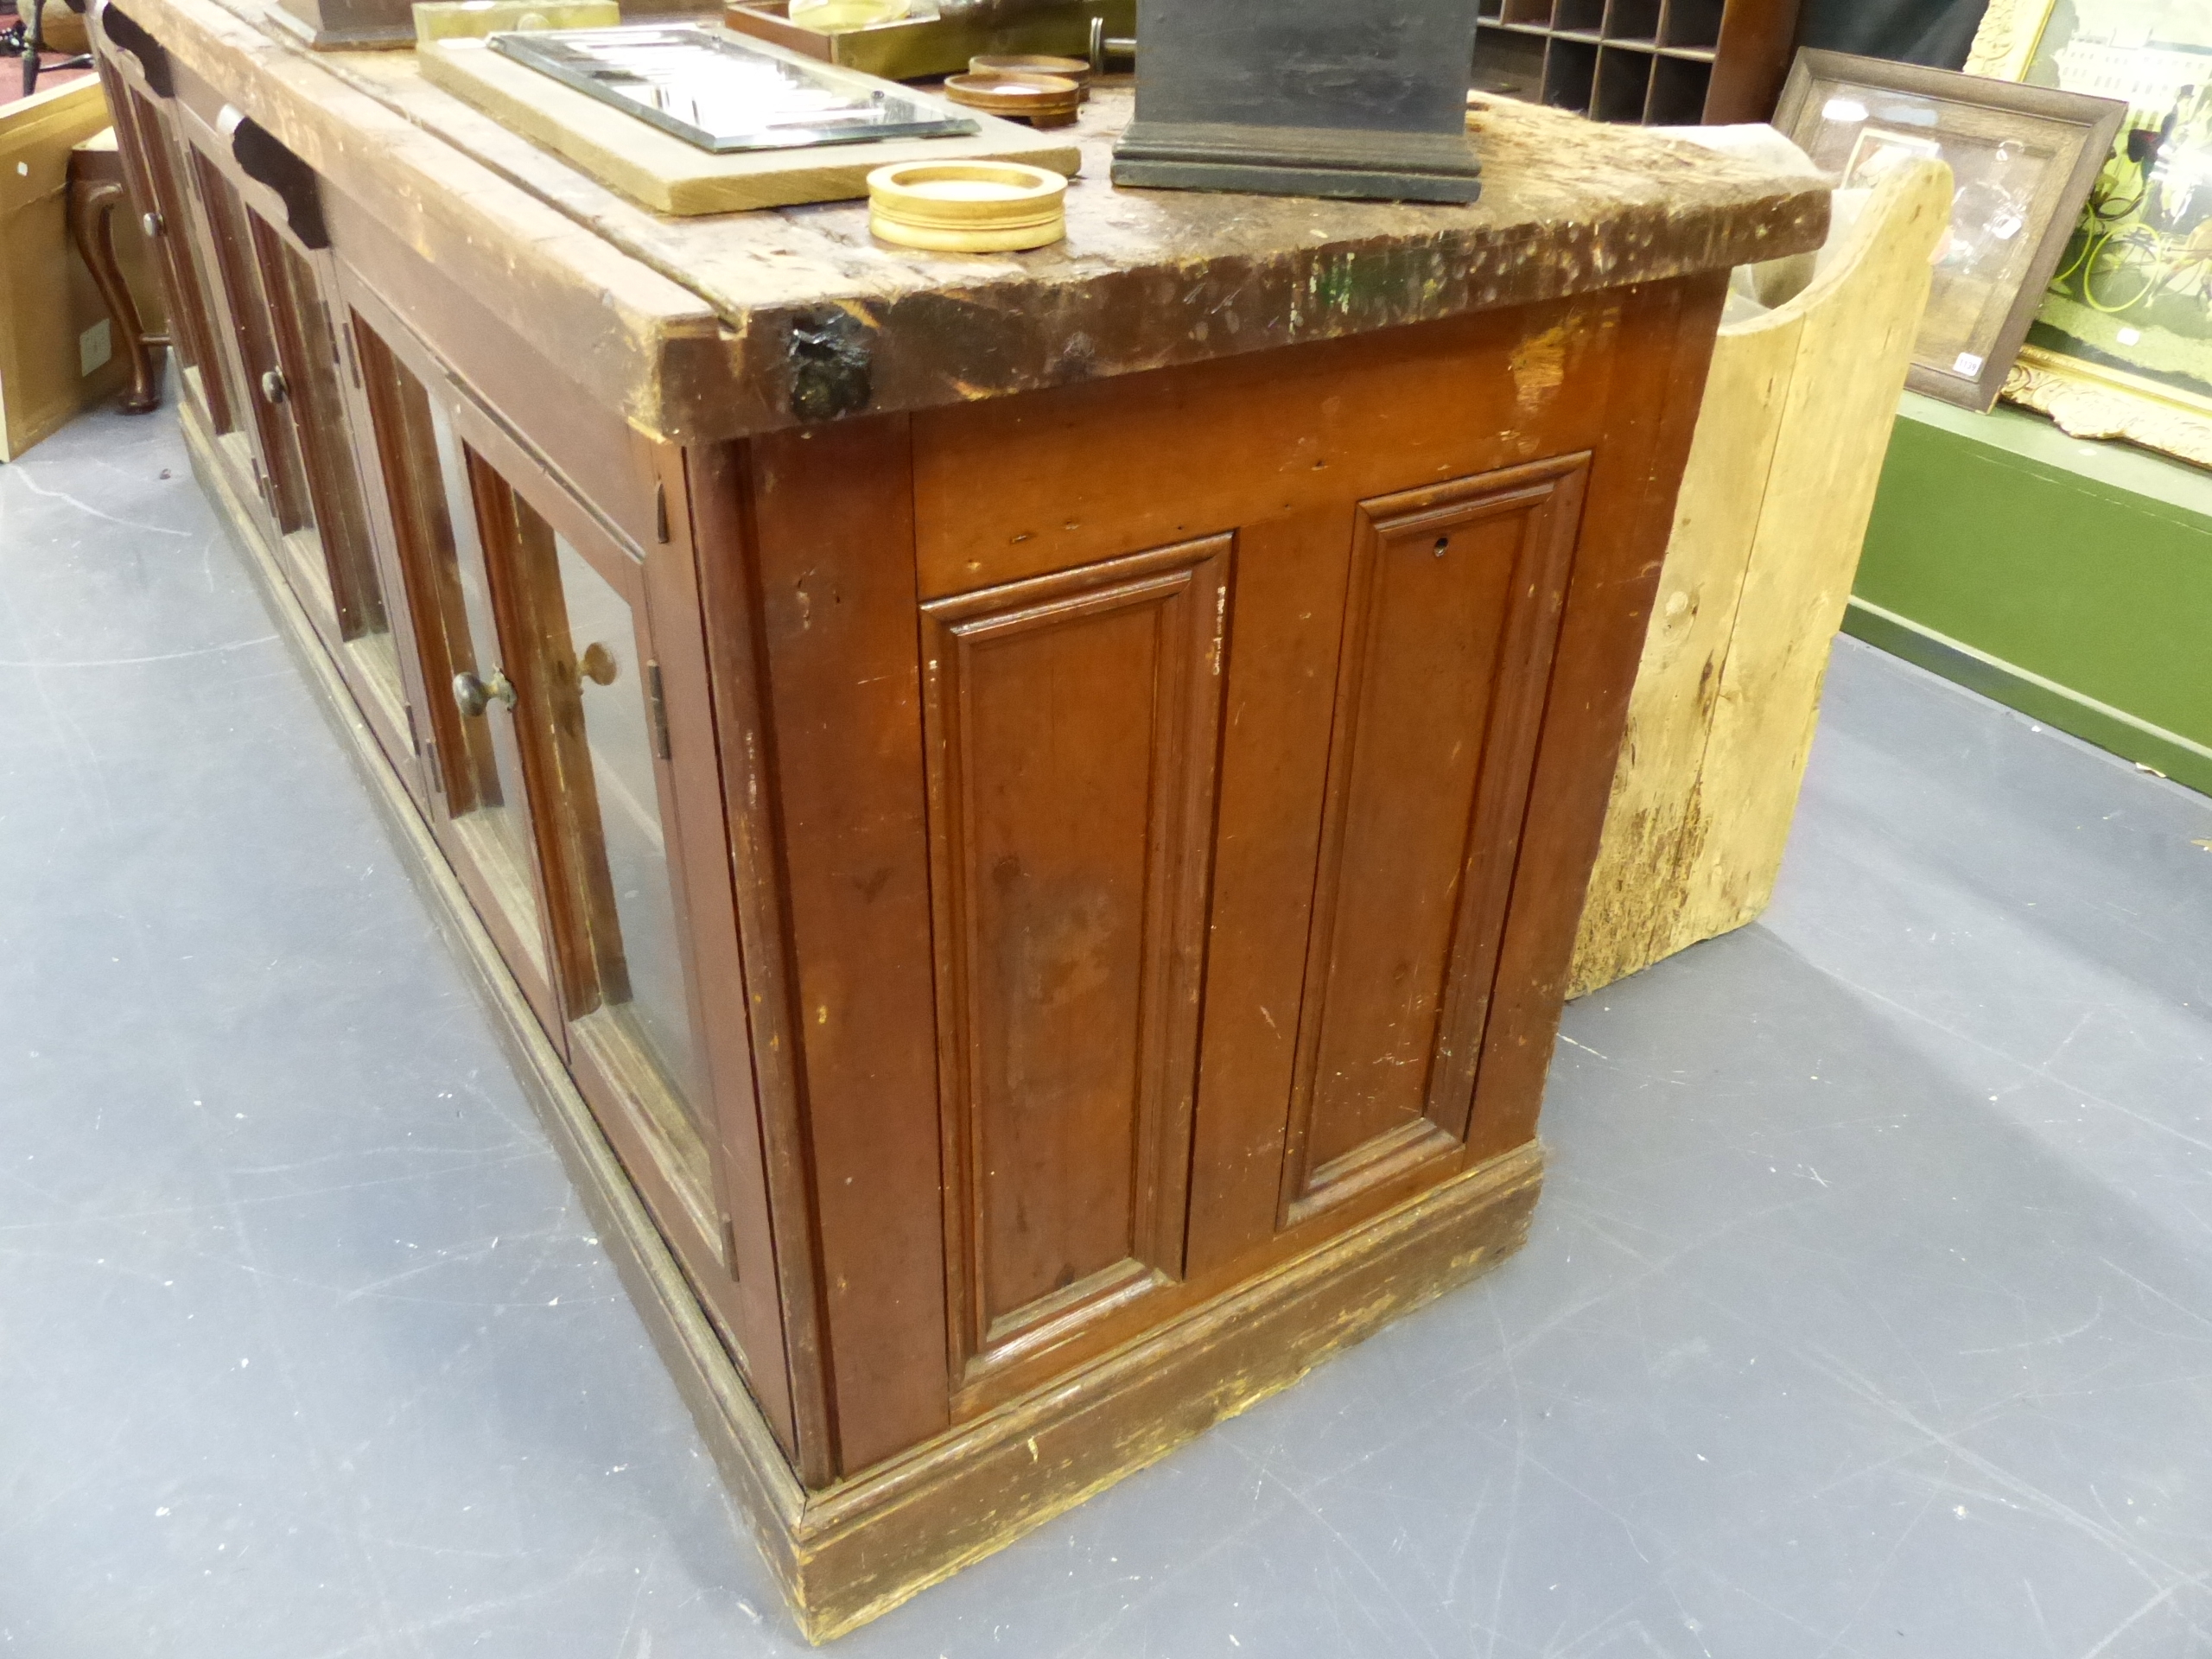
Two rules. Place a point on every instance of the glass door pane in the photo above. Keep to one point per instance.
(191, 314)
(335, 559)
(589, 702)
(641, 979)
(282, 467)
(307, 354)
(496, 824)
(471, 759)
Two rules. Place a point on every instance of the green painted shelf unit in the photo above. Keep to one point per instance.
(2069, 579)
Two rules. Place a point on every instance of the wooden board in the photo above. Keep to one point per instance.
(666, 173)
(1767, 532)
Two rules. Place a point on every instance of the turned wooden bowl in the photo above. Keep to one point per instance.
(967, 206)
(1041, 100)
(1032, 63)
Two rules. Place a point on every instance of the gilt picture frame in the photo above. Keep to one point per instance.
(2121, 345)
(2023, 160)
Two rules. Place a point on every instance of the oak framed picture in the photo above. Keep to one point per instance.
(2023, 160)
(2121, 345)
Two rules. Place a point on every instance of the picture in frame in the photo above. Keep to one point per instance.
(2023, 160)
(2121, 345)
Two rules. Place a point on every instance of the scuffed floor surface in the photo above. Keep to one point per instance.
(1868, 1311)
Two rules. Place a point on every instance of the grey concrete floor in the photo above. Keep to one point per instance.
(1868, 1310)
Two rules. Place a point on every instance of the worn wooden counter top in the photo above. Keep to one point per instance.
(687, 325)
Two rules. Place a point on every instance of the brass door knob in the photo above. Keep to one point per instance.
(474, 694)
(151, 224)
(273, 385)
(598, 664)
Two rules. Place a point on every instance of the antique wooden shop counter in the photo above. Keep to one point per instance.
(1027, 814)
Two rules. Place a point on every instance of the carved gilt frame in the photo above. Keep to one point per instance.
(2088, 400)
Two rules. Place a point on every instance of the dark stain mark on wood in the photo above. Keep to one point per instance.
(830, 365)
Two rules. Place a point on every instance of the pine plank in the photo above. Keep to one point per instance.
(1767, 533)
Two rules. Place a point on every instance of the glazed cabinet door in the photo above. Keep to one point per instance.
(154, 161)
(529, 649)
(472, 755)
(272, 377)
(560, 664)
(138, 80)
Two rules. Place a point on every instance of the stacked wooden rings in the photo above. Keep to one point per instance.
(1046, 91)
(967, 206)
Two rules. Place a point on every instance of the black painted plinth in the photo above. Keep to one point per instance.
(1304, 97)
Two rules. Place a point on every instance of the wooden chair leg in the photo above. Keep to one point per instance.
(34, 41)
(92, 224)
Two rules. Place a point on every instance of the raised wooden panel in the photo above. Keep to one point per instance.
(1073, 724)
(1451, 619)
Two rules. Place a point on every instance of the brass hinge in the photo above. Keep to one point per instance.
(414, 738)
(729, 1246)
(660, 511)
(430, 764)
(352, 363)
(659, 706)
(260, 482)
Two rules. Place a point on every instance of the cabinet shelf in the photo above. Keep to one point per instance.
(1658, 62)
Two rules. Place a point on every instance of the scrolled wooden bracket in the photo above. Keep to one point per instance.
(126, 32)
(831, 355)
(265, 160)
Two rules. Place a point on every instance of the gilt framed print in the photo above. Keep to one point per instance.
(2023, 160)
(2121, 345)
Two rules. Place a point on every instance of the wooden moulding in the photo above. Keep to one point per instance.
(858, 1549)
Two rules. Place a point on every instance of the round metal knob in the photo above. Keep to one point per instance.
(151, 224)
(598, 664)
(273, 385)
(474, 694)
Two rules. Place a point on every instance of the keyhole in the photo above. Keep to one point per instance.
(1442, 541)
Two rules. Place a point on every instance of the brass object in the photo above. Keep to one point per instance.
(598, 666)
(474, 694)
